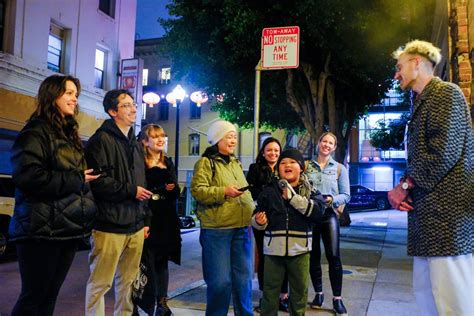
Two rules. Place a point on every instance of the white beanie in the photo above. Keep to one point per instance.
(218, 130)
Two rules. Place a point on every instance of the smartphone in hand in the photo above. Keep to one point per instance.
(244, 188)
(101, 170)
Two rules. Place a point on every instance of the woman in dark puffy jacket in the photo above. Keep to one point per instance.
(54, 208)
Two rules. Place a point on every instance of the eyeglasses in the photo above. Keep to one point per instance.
(398, 67)
(128, 106)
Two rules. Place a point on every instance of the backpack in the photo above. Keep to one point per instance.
(213, 166)
(341, 211)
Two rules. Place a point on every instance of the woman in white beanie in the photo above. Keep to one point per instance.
(224, 212)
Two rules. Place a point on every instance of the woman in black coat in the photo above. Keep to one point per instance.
(164, 240)
(260, 174)
(54, 208)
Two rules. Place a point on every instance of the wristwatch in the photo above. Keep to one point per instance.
(405, 185)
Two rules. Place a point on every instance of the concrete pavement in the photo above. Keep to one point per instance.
(377, 271)
(377, 274)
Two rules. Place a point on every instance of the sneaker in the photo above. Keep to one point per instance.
(317, 303)
(339, 308)
(283, 305)
(162, 308)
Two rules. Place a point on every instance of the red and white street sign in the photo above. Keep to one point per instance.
(280, 47)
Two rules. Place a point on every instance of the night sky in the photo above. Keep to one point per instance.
(147, 12)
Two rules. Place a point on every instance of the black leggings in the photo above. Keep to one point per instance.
(159, 268)
(328, 230)
(43, 266)
(258, 234)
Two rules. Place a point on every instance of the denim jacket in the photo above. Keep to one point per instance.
(328, 182)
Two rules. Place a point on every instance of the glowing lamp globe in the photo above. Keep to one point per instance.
(151, 98)
(199, 97)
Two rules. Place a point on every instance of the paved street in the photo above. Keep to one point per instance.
(377, 278)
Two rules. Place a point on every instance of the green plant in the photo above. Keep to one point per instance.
(389, 135)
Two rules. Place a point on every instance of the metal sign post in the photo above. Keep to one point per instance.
(280, 50)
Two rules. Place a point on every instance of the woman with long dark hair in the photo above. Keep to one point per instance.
(54, 208)
(261, 174)
(164, 240)
(332, 180)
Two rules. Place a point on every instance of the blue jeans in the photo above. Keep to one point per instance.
(227, 269)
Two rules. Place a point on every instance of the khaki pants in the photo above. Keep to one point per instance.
(113, 255)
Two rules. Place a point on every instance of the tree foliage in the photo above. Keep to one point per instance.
(389, 135)
(345, 62)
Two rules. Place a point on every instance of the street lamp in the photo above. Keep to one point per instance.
(151, 98)
(175, 98)
(199, 98)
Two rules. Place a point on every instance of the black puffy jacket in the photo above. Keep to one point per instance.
(51, 199)
(118, 209)
(258, 177)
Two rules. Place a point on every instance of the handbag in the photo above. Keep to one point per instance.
(143, 289)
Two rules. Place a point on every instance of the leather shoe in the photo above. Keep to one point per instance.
(339, 307)
(317, 302)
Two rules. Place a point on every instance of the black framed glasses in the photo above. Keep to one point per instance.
(128, 106)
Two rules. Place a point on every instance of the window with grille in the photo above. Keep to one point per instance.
(108, 7)
(194, 111)
(163, 110)
(194, 140)
(99, 68)
(145, 77)
(55, 48)
(164, 75)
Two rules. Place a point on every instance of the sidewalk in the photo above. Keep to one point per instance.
(377, 272)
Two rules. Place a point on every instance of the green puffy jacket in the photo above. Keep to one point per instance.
(214, 210)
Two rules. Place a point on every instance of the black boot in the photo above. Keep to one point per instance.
(162, 308)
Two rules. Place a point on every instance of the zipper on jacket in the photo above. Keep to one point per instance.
(287, 229)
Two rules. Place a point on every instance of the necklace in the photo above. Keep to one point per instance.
(155, 158)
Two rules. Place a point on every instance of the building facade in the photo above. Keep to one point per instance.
(85, 39)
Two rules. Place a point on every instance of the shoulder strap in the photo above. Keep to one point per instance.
(306, 164)
(213, 167)
(338, 170)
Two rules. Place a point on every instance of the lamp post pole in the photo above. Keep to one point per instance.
(176, 144)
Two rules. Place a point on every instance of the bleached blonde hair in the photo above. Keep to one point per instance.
(421, 48)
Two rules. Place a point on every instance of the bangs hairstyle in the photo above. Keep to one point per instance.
(421, 48)
(148, 131)
(50, 89)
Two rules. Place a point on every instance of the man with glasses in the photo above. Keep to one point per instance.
(123, 219)
(437, 189)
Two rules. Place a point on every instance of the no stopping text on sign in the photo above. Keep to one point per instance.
(280, 47)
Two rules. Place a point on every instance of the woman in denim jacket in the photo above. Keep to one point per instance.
(332, 180)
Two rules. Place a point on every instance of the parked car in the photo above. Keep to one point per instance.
(7, 203)
(363, 197)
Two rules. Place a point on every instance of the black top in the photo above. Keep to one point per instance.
(258, 177)
(118, 209)
(165, 234)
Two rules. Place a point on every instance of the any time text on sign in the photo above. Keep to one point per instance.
(280, 47)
